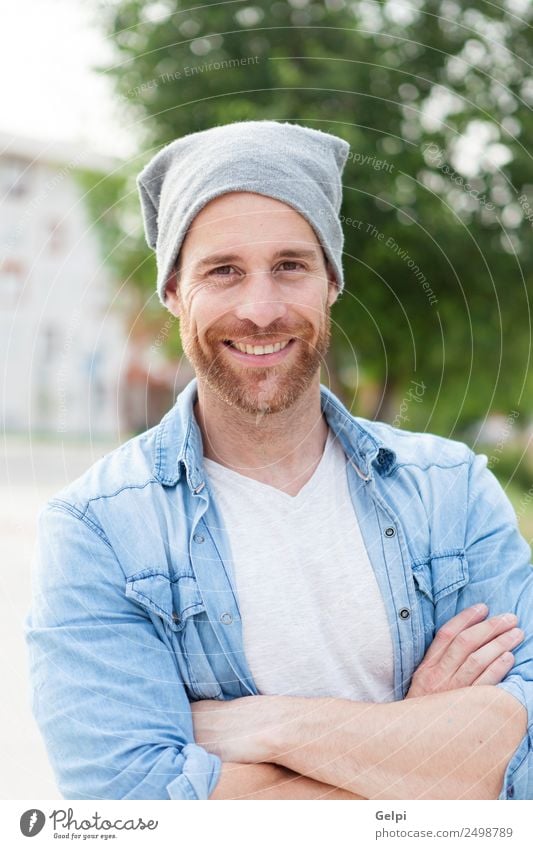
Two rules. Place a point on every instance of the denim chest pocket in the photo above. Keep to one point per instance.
(440, 575)
(178, 602)
(174, 600)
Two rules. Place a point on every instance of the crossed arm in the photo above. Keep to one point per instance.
(453, 745)
(453, 741)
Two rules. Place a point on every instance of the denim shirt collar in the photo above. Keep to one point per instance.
(178, 444)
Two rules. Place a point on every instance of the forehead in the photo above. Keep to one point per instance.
(240, 220)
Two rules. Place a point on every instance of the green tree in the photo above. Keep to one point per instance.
(434, 99)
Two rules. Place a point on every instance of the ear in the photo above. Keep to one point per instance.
(172, 294)
(333, 289)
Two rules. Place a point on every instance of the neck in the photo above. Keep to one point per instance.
(280, 449)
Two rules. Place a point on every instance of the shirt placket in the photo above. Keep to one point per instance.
(217, 594)
(383, 538)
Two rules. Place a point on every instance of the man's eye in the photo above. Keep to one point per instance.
(293, 263)
(221, 269)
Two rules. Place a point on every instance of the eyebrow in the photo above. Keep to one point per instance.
(223, 258)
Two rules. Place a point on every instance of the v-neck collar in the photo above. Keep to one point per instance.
(273, 491)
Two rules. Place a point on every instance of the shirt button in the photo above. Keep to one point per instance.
(389, 532)
(198, 538)
(510, 792)
(404, 613)
(226, 618)
(175, 617)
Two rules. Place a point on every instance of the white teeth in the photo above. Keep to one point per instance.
(257, 350)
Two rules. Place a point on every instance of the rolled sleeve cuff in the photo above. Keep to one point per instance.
(199, 775)
(518, 777)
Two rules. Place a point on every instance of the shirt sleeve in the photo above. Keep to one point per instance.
(499, 563)
(104, 685)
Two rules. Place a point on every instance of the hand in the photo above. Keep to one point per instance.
(467, 652)
(236, 730)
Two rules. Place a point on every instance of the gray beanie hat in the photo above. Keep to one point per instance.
(297, 165)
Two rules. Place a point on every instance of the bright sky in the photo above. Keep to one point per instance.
(48, 90)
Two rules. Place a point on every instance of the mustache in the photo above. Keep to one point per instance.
(249, 330)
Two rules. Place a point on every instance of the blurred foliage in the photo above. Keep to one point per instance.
(434, 98)
(513, 466)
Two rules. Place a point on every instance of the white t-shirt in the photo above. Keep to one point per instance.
(313, 619)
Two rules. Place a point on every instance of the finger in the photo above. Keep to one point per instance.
(452, 628)
(471, 639)
(497, 670)
(476, 663)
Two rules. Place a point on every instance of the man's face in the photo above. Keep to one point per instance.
(253, 274)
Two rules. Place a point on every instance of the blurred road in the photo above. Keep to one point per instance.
(31, 470)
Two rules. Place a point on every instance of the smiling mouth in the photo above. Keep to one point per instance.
(257, 350)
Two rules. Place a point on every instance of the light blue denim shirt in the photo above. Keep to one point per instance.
(134, 611)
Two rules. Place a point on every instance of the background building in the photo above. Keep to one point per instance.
(63, 320)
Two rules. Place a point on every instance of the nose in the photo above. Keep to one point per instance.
(259, 299)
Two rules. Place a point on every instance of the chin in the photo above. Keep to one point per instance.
(238, 393)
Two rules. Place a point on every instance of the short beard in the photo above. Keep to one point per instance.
(259, 391)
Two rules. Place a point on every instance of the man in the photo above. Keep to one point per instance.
(264, 596)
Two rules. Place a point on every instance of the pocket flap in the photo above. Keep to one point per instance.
(441, 574)
(174, 600)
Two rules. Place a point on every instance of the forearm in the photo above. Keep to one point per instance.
(270, 781)
(451, 745)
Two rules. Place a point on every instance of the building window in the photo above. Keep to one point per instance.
(11, 276)
(51, 342)
(13, 176)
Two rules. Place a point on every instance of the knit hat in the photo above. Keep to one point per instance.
(297, 165)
